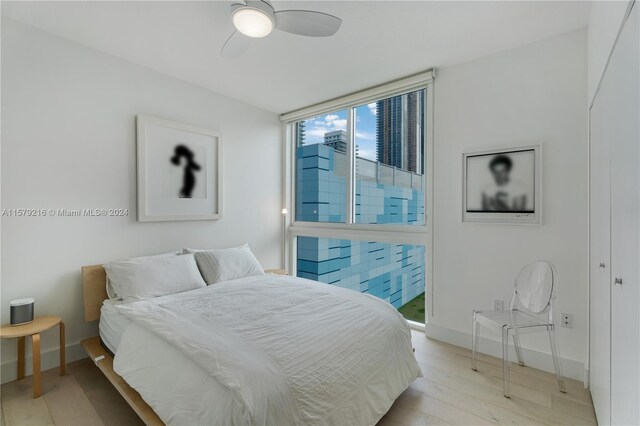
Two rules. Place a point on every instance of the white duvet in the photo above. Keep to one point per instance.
(290, 351)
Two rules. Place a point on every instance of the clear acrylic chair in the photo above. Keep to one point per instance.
(530, 310)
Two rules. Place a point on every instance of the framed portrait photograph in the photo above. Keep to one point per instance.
(179, 171)
(502, 185)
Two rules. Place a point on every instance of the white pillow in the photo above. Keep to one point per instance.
(111, 292)
(227, 264)
(147, 277)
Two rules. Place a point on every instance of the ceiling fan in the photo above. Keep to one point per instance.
(258, 18)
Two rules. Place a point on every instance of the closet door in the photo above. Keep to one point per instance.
(600, 259)
(624, 135)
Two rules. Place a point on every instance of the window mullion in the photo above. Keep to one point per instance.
(351, 175)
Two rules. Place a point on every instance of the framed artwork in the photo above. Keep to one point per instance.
(502, 185)
(179, 171)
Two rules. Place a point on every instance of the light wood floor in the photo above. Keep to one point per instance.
(449, 393)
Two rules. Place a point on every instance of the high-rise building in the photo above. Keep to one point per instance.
(336, 140)
(399, 131)
(301, 132)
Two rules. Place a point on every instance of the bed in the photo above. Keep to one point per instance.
(268, 349)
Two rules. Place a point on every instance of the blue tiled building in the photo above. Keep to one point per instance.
(384, 194)
(393, 272)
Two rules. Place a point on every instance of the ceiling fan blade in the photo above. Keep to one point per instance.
(236, 45)
(307, 23)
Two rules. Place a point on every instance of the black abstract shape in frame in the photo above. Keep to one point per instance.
(189, 178)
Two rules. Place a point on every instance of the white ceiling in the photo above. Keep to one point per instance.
(379, 41)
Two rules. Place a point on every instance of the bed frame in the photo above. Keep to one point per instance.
(94, 289)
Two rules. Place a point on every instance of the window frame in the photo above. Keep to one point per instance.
(388, 233)
(422, 81)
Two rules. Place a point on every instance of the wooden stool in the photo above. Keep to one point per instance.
(33, 329)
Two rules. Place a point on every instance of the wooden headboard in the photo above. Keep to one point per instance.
(94, 291)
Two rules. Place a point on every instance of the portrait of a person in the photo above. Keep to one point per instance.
(504, 194)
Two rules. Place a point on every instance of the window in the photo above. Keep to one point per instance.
(359, 192)
(322, 168)
(389, 139)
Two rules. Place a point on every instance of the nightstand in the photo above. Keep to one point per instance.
(276, 271)
(33, 329)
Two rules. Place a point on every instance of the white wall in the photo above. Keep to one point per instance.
(605, 20)
(68, 141)
(532, 94)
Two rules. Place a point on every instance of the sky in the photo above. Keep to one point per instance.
(316, 127)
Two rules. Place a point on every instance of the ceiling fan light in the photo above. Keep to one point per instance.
(253, 22)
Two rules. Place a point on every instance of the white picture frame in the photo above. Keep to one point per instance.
(503, 185)
(179, 171)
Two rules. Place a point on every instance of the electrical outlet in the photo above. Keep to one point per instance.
(498, 305)
(567, 320)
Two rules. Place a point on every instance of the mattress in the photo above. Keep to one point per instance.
(112, 324)
(267, 350)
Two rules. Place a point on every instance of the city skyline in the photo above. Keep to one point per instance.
(391, 139)
(316, 127)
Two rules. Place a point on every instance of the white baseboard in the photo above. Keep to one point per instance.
(49, 359)
(418, 326)
(570, 367)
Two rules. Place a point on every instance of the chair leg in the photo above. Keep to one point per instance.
(506, 366)
(475, 340)
(556, 359)
(516, 343)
